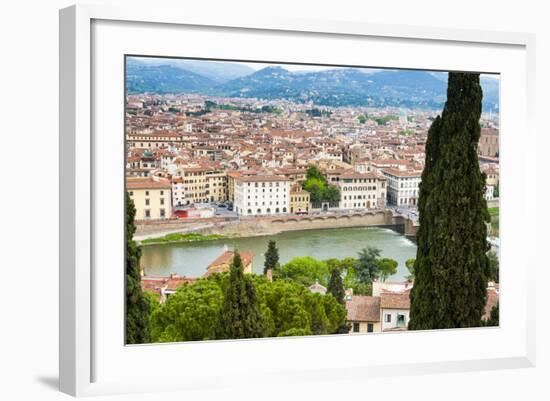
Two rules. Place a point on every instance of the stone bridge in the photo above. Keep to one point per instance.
(274, 224)
(265, 225)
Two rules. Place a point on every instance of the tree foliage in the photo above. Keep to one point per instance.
(286, 309)
(271, 256)
(138, 308)
(336, 285)
(410, 267)
(493, 266)
(367, 268)
(387, 267)
(452, 268)
(304, 270)
(493, 317)
(239, 315)
(318, 187)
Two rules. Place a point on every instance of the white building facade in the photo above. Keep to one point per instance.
(403, 186)
(261, 195)
(362, 191)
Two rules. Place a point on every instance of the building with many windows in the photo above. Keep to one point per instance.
(362, 190)
(403, 186)
(204, 184)
(152, 197)
(261, 195)
(299, 200)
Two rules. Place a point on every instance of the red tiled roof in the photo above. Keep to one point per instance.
(395, 300)
(173, 282)
(147, 183)
(220, 264)
(363, 308)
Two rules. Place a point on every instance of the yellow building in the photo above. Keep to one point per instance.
(223, 262)
(363, 314)
(152, 197)
(299, 200)
(204, 184)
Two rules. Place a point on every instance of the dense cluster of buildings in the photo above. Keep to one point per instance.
(182, 155)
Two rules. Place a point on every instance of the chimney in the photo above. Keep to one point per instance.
(269, 275)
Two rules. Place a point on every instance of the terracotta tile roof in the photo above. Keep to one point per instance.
(221, 263)
(147, 183)
(403, 173)
(395, 300)
(173, 282)
(363, 308)
(492, 300)
(262, 178)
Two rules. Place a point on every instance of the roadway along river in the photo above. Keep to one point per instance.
(192, 259)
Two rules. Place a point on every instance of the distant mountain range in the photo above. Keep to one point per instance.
(334, 87)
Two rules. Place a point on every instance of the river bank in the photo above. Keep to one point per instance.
(271, 225)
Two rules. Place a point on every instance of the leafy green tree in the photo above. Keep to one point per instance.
(314, 173)
(240, 314)
(410, 267)
(304, 270)
(138, 308)
(388, 267)
(191, 314)
(316, 189)
(362, 119)
(367, 267)
(452, 268)
(336, 286)
(493, 266)
(331, 194)
(271, 257)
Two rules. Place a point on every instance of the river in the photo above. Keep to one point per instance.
(191, 259)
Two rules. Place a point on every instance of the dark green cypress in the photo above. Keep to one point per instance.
(239, 315)
(271, 256)
(138, 309)
(336, 286)
(451, 267)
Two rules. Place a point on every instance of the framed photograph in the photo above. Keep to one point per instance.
(269, 199)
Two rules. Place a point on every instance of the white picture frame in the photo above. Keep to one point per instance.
(94, 361)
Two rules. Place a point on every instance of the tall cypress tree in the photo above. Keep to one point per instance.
(336, 286)
(451, 267)
(239, 315)
(271, 256)
(138, 309)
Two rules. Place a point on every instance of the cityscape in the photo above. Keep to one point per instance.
(272, 200)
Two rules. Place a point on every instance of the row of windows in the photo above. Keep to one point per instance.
(146, 193)
(369, 188)
(299, 199)
(359, 197)
(256, 184)
(148, 201)
(148, 213)
(263, 203)
(367, 204)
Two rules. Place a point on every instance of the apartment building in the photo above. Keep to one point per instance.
(151, 196)
(261, 195)
(403, 186)
(362, 190)
(204, 184)
(152, 139)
